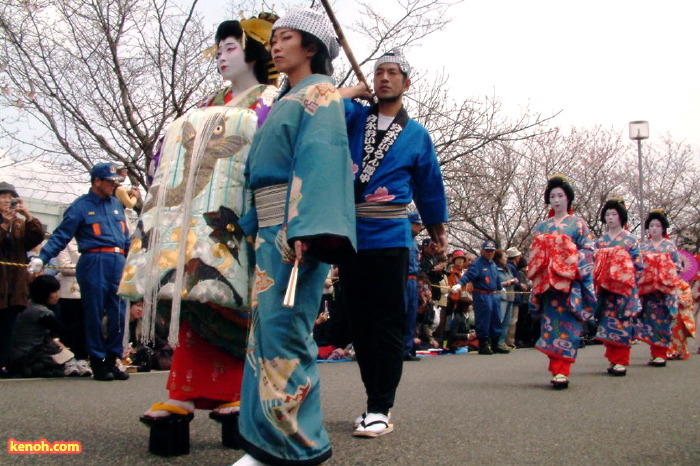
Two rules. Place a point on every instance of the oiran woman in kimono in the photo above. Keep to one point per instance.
(189, 258)
(618, 268)
(657, 287)
(300, 175)
(561, 268)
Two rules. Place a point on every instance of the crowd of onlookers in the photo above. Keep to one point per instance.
(445, 320)
(42, 323)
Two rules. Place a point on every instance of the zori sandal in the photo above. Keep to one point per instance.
(373, 426)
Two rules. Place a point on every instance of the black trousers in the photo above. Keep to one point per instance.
(374, 284)
(73, 321)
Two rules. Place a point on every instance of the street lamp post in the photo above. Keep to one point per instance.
(640, 130)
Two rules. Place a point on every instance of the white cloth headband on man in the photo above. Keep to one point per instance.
(395, 55)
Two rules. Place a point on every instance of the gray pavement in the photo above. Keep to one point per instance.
(450, 410)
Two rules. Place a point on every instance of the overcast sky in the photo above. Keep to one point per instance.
(602, 62)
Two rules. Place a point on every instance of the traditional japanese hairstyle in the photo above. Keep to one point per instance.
(660, 215)
(619, 205)
(560, 181)
(254, 36)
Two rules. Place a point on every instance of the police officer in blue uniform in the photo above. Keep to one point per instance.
(98, 223)
(483, 273)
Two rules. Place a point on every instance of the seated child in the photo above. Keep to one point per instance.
(33, 341)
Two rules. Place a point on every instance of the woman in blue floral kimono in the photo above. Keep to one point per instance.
(300, 175)
(560, 267)
(657, 288)
(617, 270)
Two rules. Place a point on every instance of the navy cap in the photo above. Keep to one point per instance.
(488, 244)
(105, 171)
(414, 217)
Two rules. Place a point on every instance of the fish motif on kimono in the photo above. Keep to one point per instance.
(219, 146)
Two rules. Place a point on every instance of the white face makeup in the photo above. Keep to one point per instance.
(612, 218)
(558, 201)
(656, 230)
(230, 60)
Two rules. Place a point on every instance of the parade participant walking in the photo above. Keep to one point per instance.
(486, 282)
(561, 270)
(394, 162)
(300, 174)
(657, 287)
(98, 223)
(212, 300)
(17, 236)
(618, 267)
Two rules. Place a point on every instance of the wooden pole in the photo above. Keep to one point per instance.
(344, 43)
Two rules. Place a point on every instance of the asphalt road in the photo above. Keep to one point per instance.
(450, 410)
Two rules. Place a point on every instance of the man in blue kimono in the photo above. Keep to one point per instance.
(394, 163)
(483, 273)
(98, 223)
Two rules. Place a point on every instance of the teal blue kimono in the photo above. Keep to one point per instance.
(303, 145)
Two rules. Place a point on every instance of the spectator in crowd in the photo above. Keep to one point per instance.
(508, 281)
(157, 354)
(412, 289)
(460, 301)
(428, 318)
(483, 274)
(128, 197)
(432, 265)
(35, 342)
(72, 316)
(98, 223)
(17, 237)
(514, 260)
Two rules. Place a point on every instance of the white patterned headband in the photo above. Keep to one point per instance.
(315, 23)
(395, 56)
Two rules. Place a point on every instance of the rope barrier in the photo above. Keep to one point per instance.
(18, 264)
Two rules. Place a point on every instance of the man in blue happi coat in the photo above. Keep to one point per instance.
(394, 163)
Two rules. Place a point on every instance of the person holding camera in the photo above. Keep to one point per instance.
(17, 236)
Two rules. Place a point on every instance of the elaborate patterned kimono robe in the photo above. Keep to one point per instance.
(563, 308)
(658, 308)
(617, 311)
(683, 325)
(300, 173)
(189, 253)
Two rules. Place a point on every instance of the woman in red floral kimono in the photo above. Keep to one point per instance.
(618, 267)
(657, 287)
(561, 268)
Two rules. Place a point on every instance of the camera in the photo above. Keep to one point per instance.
(14, 202)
